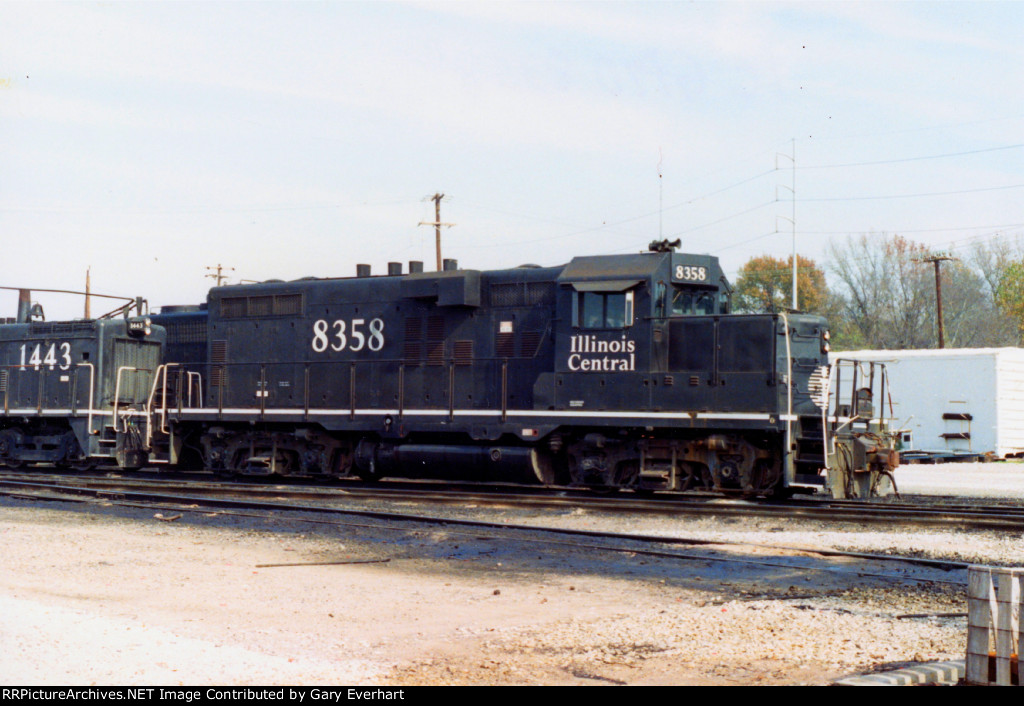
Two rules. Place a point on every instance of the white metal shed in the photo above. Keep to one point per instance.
(955, 399)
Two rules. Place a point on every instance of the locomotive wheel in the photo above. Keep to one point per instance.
(8, 446)
(686, 477)
(780, 493)
(370, 475)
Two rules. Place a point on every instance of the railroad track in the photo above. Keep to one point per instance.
(802, 559)
(335, 498)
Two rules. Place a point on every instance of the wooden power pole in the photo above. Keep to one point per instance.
(88, 290)
(436, 198)
(217, 273)
(935, 259)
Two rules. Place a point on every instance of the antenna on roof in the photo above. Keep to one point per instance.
(659, 192)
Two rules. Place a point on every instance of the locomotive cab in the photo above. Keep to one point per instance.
(670, 390)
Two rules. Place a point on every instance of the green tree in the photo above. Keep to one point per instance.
(765, 284)
(1009, 293)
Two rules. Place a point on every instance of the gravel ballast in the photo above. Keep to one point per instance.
(110, 595)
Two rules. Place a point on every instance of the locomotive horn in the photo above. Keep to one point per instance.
(664, 245)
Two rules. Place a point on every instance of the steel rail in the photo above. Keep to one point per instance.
(201, 504)
(1000, 517)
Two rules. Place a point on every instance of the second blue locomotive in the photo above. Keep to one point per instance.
(609, 371)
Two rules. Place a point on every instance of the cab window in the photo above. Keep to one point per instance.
(605, 309)
(690, 302)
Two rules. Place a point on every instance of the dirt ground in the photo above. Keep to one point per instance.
(129, 596)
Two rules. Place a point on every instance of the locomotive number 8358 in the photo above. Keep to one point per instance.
(624, 371)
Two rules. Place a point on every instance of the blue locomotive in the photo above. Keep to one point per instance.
(76, 393)
(620, 371)
(624, 371)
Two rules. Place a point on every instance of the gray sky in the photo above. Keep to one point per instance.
(152, 140)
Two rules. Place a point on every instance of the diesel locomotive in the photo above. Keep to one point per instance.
(75, 392)
(621, 371)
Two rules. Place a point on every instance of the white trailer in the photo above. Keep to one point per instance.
(954, 399)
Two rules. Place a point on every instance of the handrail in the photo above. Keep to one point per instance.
(117, 396)
(789, 395)
(92, 390)
(199, 379)
(401, 391)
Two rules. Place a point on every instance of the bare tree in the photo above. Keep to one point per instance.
(885, 295)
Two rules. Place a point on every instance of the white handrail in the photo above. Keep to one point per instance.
(789, 396)
(117, 395)
(92, 391)
(199, 379)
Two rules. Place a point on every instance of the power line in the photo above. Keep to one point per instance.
(723, 220)
(910, 230)
(747, 242)
(912, 159)
(927, 128)
(771, 171)
(914, 196)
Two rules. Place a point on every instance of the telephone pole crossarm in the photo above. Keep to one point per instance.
(218, 273)
(436, 198)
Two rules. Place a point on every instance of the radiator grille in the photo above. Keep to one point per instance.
(261, 305)
(522, 293)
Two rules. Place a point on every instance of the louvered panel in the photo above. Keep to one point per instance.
(505, 345)
(218, 354)
(412, 351)
(463, 352)
(435, 352)
(529, 342)
(413, 328)
(435, 340)
(435, 328)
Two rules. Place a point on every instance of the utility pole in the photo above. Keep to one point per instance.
(935, 259)
(792, 220)
(88, 313)
(217, 273)
(436, 198)
(793, 189)
(660, 202)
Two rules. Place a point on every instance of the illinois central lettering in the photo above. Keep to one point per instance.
(589, 354)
